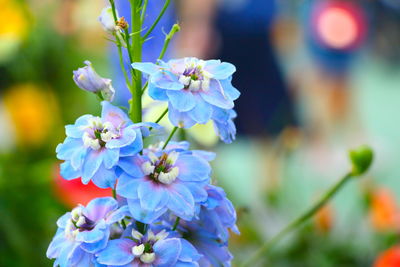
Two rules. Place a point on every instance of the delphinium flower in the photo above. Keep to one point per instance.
(87, 79)
(209, 233)
(94, 145)
(196, 91)
(84, 231)
(161, 180)
(156, 248)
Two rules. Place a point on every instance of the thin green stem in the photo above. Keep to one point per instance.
(264, 249)
(166, 4)
(176, 223)
(175, 28)
(143, 15)
(170, 137)
(162, 115)
(121, 62)
(114, 193)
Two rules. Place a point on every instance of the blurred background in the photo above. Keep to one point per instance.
(317, 77)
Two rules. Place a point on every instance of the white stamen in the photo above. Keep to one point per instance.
(205, 84)
(138, 250)
(172, 157)
(152, 157)
(185, 80)
(195, 85)
(148, 257)
(147, 168)
(76, 213)
(96, 122)
(70, 229)
(107, 136)
(150, 235)
(90, 142)
(136, 235)
(169, 177)
(81, 221)
(161, 235)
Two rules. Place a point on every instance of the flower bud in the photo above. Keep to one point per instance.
(107, 20)
(361, 159)
(87, 79)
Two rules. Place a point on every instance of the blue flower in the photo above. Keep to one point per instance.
(158, 181)
(158, 249)
(194, 89)
(94, 145)
(87, 79)
(218, 214)
(84, 231)
(223, 124)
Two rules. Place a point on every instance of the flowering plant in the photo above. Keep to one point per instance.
(165, 211)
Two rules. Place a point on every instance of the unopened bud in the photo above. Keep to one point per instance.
(361, 159)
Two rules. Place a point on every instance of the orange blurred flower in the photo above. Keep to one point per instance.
(389, 258)
(32, 111)
(324, 219)
(384, 213)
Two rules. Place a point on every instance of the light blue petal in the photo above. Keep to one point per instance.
(231, 92)
(179, 119)
(202, 111)
(192, 168)
(132, 166)
(146, 67)
(127, 137)
(152, 195)
(220, 71)
(74, 131)
(166, 80)
(207, 155)
(117, 252)
(67, 172)
(56, 244)
(104, 178)
(167, 252)
(182, 100)
(98, 208)
(97, 246)
(181, 201)
(113, 114)
(215, 96)
(66, 150)
(188, 252)
(127, 186)
(157, 93)
(118, 215)
(93, 160)
(197, 190)
(62, 221)
(141, 215)
(78, 157)
(92, 236)
(110, 157)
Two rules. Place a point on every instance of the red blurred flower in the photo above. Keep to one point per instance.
(384, 213)
(73, 192)
(389, 258)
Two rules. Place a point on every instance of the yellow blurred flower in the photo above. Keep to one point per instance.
(13, 27)
(33, 112)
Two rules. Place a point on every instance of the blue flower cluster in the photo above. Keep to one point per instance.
(164, 187)
(165, 211)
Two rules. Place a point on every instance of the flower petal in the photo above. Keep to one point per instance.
(220, 71)
(182, 100)
(118, 252)
(141, 215)
(98, 208)
(179, 119)
(215, 96)
(181, 201)
(113, 114)
(201, 113)
(167, 252)
(192, 168)
(166, 80)
(157, 93)
(146, 67)
(152, 195)
(104, 178)
(127, 186)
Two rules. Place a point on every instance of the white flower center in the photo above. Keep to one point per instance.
(162, 169)
(194, 77)
(97, 133)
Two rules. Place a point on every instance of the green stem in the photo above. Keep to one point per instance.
(166, 4)
(170, 137)
(263, 250)
(175, 28)
(142, 16)
(135, 110)
(114, 193)
(176, 223)
(162, 115)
